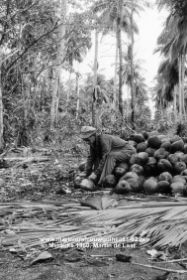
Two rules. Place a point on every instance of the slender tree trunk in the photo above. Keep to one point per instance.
(115, 99)
(182, 85)
(94, 97)
(78, 95)
(132, 71)
(1, 110)
(60, 53)
(68, 91)
(180, 89)
(120, 56)
(175, 102)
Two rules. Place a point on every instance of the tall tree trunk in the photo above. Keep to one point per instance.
(1, 109)
(60, 53)
(94, 97)
(132, 70)
(180, 88)
(120, 56)
(115, 99)
(78, 95)
(182, 84)
(68, 91)
(175, 102)
(119, 20)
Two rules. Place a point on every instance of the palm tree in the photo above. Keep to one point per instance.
(139, 85)
(77, 43)
(168, 78)
(174, 45)
(115, 15)
(60, 54)
(104, 97)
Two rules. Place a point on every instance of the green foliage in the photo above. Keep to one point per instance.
(30, 41)
(31, 44)
(162, 122)
(77, 37)
(172, 43)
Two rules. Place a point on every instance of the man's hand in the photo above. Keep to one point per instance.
(92, 177)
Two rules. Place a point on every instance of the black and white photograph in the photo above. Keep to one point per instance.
(93, 139)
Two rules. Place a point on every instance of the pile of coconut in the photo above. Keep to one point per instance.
(158, 166)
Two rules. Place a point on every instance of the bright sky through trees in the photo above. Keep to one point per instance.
(150, 23)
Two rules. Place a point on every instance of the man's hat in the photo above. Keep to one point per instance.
(87, 131)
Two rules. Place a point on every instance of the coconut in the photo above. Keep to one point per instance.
(154, 142)
(138, 169)
(109, 181)
(178, 178)
(165, 176)
(179, 156)
(164, 165)
(142, 158)
(179, 167)
(120, 170)
(173, 158)
(141, 147)
(87, 184)
(134, 183)
(151, 166)
(130, 175)
(177, 146)
(122, 187)
(160, 153)
(150, 185)
(138, 138)
(166, 145)
(164, 187)
(150, 151)
(178, 188)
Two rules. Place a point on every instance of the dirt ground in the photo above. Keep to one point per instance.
(74, 265)
(39, 179)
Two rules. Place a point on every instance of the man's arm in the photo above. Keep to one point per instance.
(105, 148)
(90, 162)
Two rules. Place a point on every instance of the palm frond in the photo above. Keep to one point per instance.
(163, 221)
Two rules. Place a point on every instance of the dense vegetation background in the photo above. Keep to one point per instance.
(42, 40)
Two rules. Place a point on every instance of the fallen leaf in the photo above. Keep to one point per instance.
(100, 202)
(93, 202)
(44, 256)
(108, 202)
